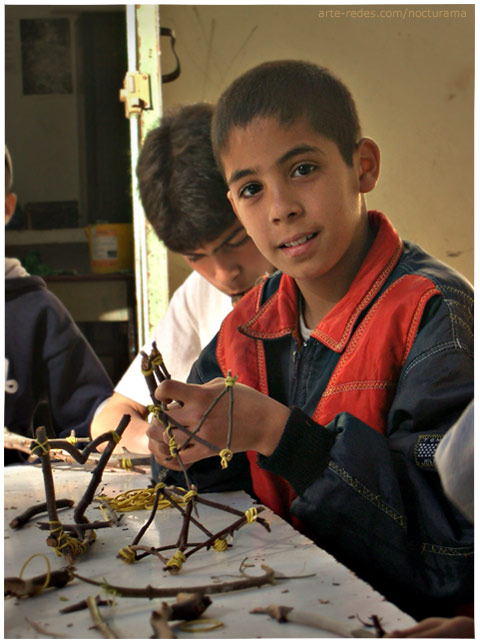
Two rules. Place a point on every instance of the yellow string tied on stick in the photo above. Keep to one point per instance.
(147, 372)
(127, 554)
(126, 464)
(189, 496)
(72, 439)
(220, 545)
(40, 448)
(115, 436)
(177, 560)
(226, 456)
(251, 514)
(230, 381)
(47, 576)
(157, 359)
(172, 443)
(65, 540)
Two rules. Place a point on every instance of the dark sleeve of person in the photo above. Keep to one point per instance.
(76, 381)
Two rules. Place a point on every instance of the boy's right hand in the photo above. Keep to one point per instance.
(258, 420)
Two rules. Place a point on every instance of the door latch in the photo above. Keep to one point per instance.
(135, 93)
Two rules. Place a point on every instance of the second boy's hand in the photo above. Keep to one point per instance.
(258, 420)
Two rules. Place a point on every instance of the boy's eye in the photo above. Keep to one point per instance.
(194, 258)
(304, 169)
(238, 240)
(250, 190)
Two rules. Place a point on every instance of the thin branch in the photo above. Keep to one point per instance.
(150, 592)
(20, 520)
(98, 621)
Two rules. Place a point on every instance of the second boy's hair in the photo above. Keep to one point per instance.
(182, 191)
(289, 90)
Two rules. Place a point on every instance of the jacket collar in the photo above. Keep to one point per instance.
(278, 316)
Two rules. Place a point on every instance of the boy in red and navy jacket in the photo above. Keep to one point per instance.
(353, 359)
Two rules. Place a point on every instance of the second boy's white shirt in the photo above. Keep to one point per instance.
(194, 316)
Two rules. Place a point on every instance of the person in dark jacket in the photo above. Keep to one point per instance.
(47, 359)
(352, 361)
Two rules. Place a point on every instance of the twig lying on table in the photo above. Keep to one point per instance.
(306, 618)
(98, 620)
(81, 605)
(187, 607)
(20, 520)
(150, 592)
(18, 587)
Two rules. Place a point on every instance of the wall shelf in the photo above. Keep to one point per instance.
(52, 236)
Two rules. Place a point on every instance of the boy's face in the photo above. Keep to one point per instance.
(297, 198)
(232, 262)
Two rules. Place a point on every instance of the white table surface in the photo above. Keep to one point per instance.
(333, 590)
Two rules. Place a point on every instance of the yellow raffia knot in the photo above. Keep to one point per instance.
(64, 540)
(72, 439)
(147, 372)
(42, 448)
(47, 576)
(189, 496)
(230, 381)
(153, 409)
(157, 359)
(220, 545)
(177, 560)
(226, 455)
(115, 436)
(251, 515)
(126, 464)
(172, 443)
(127, 554)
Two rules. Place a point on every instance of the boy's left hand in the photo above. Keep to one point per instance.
(258, 420)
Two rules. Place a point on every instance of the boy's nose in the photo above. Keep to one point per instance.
(283, 205)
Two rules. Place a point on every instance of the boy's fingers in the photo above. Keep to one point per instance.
(169, 390)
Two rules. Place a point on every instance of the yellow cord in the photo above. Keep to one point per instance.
(208, 625)
(72, 439)
(172, 443)
(157, 360)
(44, 447)
(230, 381)
(126, 464)
(147, 372)
(189, 496)
(226, 455)
(127, 554)
(177, 560)
(66, 541)
(47, 576)
(115, 436)
(138, 499)
(251, 515)
(220, 545)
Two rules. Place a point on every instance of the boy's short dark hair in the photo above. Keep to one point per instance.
(183, 193)
(289, 89)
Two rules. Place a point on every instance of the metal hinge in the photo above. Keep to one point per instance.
(135, 93)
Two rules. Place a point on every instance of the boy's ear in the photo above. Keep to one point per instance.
(367, 155)
(10, 203)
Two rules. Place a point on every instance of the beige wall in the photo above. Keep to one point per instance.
(412, 78)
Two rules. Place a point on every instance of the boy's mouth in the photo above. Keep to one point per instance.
(298, 241)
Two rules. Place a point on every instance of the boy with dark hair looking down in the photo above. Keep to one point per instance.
(184, 198)
(353, 359)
